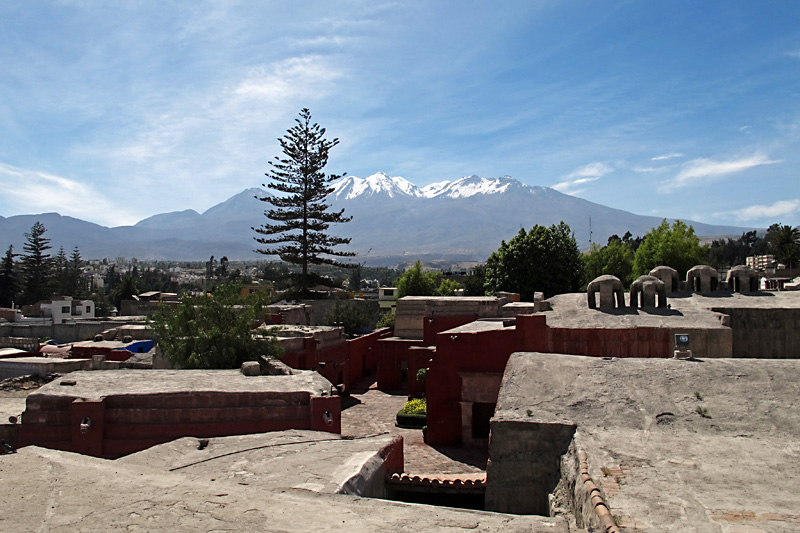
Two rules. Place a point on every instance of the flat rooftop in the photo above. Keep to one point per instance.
(675, 445)
(686, 309)
(98, 384)
(283, 481)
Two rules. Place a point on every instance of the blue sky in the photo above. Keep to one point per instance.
(115, 111)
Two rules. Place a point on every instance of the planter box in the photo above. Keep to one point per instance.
(411, 421)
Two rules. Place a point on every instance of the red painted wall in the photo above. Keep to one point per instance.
(129, 423)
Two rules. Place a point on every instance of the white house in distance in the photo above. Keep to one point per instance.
(386, 298)
(66, 309)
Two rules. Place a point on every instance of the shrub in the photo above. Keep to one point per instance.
(417, 406)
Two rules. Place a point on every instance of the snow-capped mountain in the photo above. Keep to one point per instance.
(351, 187)
(470, 186)
(393, 221)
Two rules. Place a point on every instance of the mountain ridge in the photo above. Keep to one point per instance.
(466, 218)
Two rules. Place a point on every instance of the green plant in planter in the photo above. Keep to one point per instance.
(413, 414)
(417, 406)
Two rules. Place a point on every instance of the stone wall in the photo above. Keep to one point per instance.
(125, 423)
(764, 333)
(412, 310)
(525, 465)
(30, 344)
(73, 332)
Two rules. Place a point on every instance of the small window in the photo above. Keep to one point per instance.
(88, 308)
(65, 309)
(388, 292)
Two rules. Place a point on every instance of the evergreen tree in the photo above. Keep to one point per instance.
(76, 285)
(8, 279)
(415, 282)
(214, 331)
(677, 247)
(36, 265)
(784, 242)
(542, 260)
(300, 215)
(126, 289)
(59, 280)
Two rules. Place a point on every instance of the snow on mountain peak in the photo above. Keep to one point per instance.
(468, 186)
(351, 187)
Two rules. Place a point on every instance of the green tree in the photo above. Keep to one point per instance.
(214, 331)
(8, 279)
(616, 259)
(126, 289)
(447, 287)
(677, 247)
(36, 265)
(784, 242)
(353, 317)
(102, 305)
(475, 280)
(725, 253)
(543, 259)
(300, 214)
(76, 285)
(59, 279)
(415, 282)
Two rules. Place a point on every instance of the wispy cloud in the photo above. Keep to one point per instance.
(33, 191)
(293, 77)
(773, 212)
(664, 157)
(699, 170)
(572, 183)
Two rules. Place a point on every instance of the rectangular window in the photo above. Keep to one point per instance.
(65, 309)
(88, 308)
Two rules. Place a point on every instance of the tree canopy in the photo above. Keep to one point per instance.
(616, 258)
(544, 259)
(299, 214)
(213, 330)
(415, 282)
(676, 246)
(724, 253)
(784, 243)
(36, 264)
(8, 279)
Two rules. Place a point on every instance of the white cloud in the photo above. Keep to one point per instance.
(666, 156)
(293, 77)
(585, 174)
(33, 191)
(779, 209)
(700, 170)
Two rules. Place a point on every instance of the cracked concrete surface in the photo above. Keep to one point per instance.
(53, 491)
(734, 468)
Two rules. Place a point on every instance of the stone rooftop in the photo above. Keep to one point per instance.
(284, 481)
(675, 445)
(99, 384)
(572, 311)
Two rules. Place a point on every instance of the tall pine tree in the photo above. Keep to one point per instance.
(36, 265)
(301, 218)
(75, 279)
(8, 279)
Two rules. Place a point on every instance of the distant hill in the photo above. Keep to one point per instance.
(393, 221)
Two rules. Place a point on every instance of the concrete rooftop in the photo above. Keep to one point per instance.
(687, 309)
(99, 384)
(271, 482)
(675, 445)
